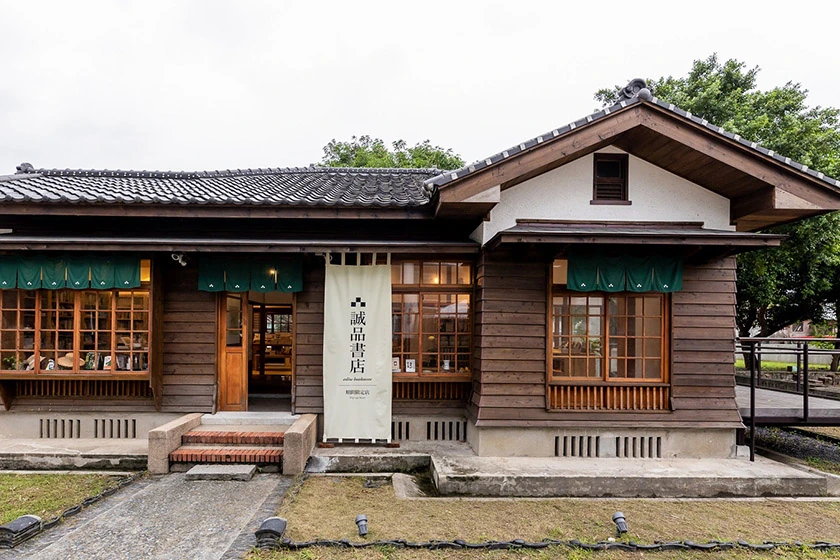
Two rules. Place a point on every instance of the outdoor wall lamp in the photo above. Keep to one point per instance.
(620, 523)
(361, 522)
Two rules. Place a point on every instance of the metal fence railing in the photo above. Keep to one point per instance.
(797, 378)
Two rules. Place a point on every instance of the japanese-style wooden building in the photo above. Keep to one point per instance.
(572, 295)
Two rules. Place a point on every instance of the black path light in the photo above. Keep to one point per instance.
(620, 523)
(362, 523)
(270, 533)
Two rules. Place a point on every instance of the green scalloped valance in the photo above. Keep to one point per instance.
(218, 274)
(624, 273)
(78, 271)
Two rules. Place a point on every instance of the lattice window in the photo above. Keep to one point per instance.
(432, 317)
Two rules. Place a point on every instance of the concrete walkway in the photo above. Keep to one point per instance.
(161, 518)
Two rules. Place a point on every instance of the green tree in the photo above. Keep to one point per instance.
(776, 287)
(365, 151)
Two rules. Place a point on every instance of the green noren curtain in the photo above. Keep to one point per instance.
(237, 277)
(53, 274)
(583, 273)
(102, 274)
(654, 273)
(611, 274)
(639, 274)
(77, 271)
(211, 275)
(262, 277)
(216, 274)
(126, 272)
(8, 271)
(667, 274)
(29, 273)
(290, 276)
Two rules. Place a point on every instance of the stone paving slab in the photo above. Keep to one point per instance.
(221, 472)
(164, 518)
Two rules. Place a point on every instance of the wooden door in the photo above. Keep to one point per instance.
(233, 358)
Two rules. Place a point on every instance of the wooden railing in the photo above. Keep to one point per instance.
(609, 397)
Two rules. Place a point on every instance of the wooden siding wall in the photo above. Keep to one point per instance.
(309, 340)
(510, 349)
(189, 341)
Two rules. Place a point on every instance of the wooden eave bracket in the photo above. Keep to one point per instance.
(774, 205)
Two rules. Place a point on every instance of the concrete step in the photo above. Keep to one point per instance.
(235, 437)
(204, 453)
(250, 418)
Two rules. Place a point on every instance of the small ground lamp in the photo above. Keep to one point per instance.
(361, 522)
(620, 523)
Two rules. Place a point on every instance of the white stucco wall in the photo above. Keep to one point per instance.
(564, 194)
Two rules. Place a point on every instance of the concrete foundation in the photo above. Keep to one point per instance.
(607, 443)
(81, 425)
(619, 478)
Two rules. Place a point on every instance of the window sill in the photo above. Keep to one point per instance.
(611, 202)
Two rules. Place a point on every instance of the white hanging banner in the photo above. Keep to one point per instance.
(357, 352)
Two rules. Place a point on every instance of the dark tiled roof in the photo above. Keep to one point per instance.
(448, 176)
(309, 186)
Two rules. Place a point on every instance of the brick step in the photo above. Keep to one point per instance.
(231, 437)
(206, 454)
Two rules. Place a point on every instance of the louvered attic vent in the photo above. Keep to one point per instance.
(610, 178)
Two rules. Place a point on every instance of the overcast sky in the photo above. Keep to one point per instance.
(199, 85)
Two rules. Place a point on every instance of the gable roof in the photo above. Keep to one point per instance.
(447, 177)
(765, 188)
(277, 187)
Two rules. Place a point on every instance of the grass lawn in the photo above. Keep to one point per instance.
(326, 507)
(46, 495)
(778, 366)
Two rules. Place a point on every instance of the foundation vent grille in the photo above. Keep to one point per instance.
(400, 430)
(60, 428)
(115, 428)
(577, 446)
(446, 430)
(638, 447)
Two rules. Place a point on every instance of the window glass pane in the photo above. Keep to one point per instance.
(448, 273)
(653, 307)
(653, 326)
(618, 305)
(145, 270)
(396, 274)
(10, 299)
(653, 369)
(431, 273)
(618, 326)
(634, 368)
(464, 274)
(410, 273)
(653, 347)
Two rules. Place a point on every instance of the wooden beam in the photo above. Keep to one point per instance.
(735, 155)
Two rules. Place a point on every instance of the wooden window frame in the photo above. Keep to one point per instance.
(605, 336)
(419, 289)
(605, 393)
(114, 332)
(608, 182)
